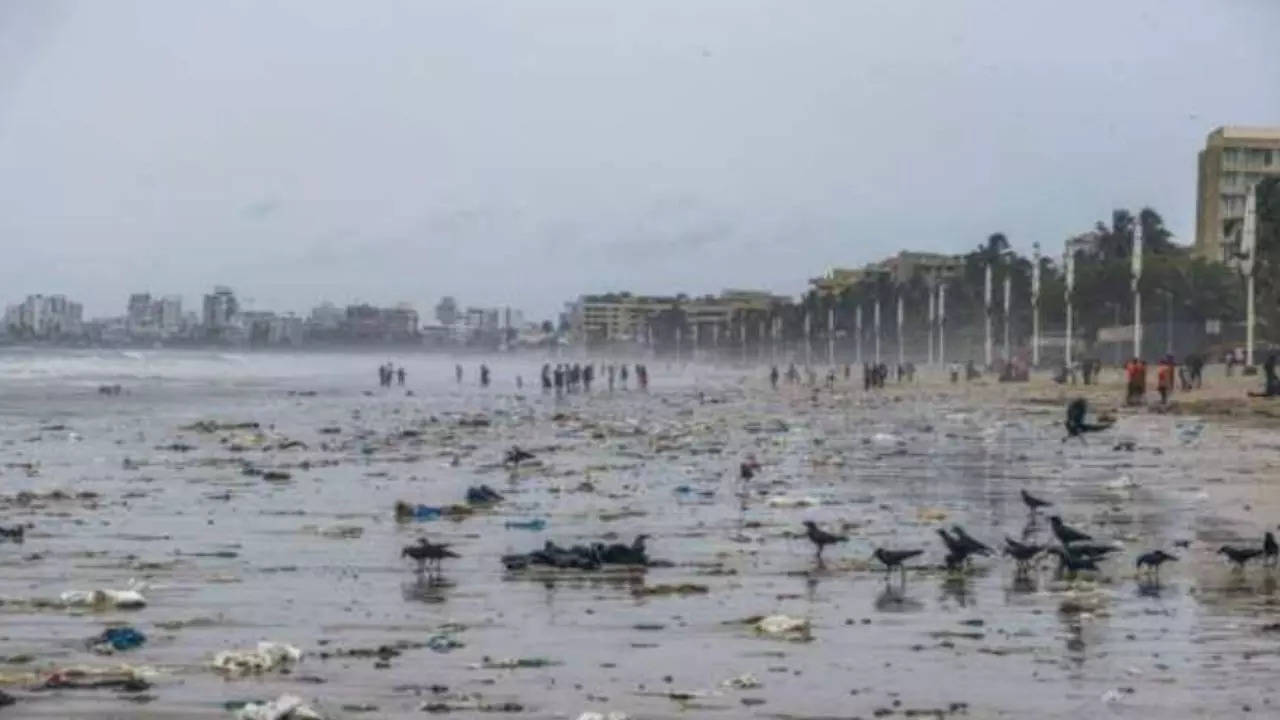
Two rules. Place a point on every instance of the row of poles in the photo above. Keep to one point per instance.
(938, 303)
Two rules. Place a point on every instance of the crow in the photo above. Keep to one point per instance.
(1093, 551)
(821, 538)
(619, 554)
(974, 546)
(1239, 555)
(1076, 426)
(1270, 550)
(1034, 503)
(1021, 552)
(424, 552)
(1072, 562)
(1153, 560)
(515, 456)
(894, 559)
(1065, 533)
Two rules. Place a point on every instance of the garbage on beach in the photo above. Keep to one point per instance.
(745, 681)
(931, 514)
(285, 707)
(406, 511)
(513, 663)
(611, 715)
(785, 501)
(117, 638)
(268, 656)
(124, 599)
(81, 677)
(782, 626)
(535, 524)
(443, 643)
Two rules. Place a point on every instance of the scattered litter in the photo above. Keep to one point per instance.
(745, 681)
(611, 715)
(784, 501)
(536, 524)
(102, 599)
(931, 514)
(117, 638)
(782, 626)
(122, 677)
(681, 589)
(342, 531)
(513, 663)
(443, 643)
(267, 657)
(285, 707)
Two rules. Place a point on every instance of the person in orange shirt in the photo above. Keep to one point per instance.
(1164, 379)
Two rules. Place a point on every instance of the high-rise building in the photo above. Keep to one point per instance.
(447, 310)
(220, 309)
(1232, 162)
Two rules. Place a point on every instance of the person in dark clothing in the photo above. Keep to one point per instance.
(1195, 368)
(793, 375)
(1075, 423)
(457, 373)
(642, 376)
(613, 373)
(559, 375)
(588, 374)
(484, 376)
(400, 375)
(546, 377)
(1272, 387)
(773, 377)
(866, 376)
(848, 371)
(622, 375)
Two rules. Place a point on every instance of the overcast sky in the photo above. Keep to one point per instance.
(523, 152)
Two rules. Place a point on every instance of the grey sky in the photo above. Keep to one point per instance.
(523, 152)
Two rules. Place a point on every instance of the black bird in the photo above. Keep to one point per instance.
(16, 533)
(1072, 562)
(424, 552)
(1153, 560)
(1239, 555)
(1021, 552)
(969, 542)
(483, 495)
(954, 546)
(1270, 550)
(619, 554)
(515, 456)
(748, 468)
(1034, 503)
(1076, 426)
(821, 538)
(894, 559)
(1065, 533)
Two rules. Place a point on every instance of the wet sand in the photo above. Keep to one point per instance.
(230, 558)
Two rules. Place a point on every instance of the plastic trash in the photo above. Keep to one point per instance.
(285, 707)
(783, 626)
(745, 681)
(118, 638)
(784, 501)
(124, 599)
(611, 715)
(443, 643)
(534, 524)
(268, 656)
(418, 512)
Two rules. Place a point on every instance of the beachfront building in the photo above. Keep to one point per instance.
(900, 269)
(44, 317)
(220, 309)
(620, 318)
(1233, 160)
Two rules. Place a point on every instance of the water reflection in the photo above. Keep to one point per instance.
(894, 599)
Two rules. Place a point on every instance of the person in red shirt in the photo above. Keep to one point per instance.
(1164, 379)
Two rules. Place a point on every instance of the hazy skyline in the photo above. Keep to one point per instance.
(520, 153)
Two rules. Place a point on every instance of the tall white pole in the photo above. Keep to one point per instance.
(697, 337)
(831, 336)
(1007, 285)
(942, 324)
(679, 337)
(933, 318)
(1070, 262)
(901, 357)
(760, 342)
(857, 329)
(876, 319)
(986, 313)
(1035, 305)
(1137, 295)
(808, 346)
(742, 338)
(1249, 248)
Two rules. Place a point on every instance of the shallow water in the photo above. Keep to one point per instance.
(885, 466)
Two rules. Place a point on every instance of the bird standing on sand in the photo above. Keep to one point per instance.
(748, 468)
(1021, 552)
(1270, 550)
(1076, 426)
(1034, 503)
(425, 552)
(1065, 533)
(821, 538)
(1069, 561)
(1153, 560)
(894, 559)
(1239, 555)
(515, 456)
(969, 542)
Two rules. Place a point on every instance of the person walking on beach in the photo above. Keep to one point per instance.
(773, 377)
(588, 374)
(622, 375)
(559, 379)
(457, 373)
(612, 372)
(484, 375)
(546, 377)
(1164, 378)
(400, 376)
(1195, 369)
(642, 377)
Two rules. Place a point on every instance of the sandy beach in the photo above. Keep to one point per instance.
(250, 499)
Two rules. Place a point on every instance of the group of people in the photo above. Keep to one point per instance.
(484, 374)
(387, 374)
(570, 378)
(873, 374)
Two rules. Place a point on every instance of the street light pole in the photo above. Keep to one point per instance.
(1035, 305)
(831, 336)
(876, 321)
(933, 310)
(1137, 295)
(1070, 262)
(1249, 248)
(1007, 285)
(942, 324)
(986, 313)
(901, 357)
(857, 332)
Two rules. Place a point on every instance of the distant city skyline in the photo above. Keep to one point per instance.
(523, 153)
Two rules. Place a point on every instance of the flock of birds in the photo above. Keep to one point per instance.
(1076, 550)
